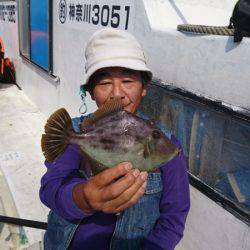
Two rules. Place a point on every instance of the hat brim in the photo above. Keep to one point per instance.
(124, 63)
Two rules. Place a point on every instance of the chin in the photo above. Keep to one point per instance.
(129, 109)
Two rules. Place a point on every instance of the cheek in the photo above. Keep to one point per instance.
(100, 95)
(136, 94)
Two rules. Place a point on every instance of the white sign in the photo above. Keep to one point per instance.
(8, 12)
(77, 13)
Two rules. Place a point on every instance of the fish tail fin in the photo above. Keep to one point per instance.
(56, 136)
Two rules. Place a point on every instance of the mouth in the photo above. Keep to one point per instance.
(124, 105)
(128, 107)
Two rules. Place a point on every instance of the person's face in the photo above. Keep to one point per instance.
(118, 82)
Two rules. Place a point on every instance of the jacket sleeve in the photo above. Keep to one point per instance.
(58, 182)
(174, 205)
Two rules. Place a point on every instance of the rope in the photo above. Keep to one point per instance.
(204, 29)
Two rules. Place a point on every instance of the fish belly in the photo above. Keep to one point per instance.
(113, 158)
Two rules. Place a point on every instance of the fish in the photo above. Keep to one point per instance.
(110, 136)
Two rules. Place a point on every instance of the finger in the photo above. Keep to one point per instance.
(109, 175)
(127, 195)
(133, 200)
(130, 196)
(118, 187)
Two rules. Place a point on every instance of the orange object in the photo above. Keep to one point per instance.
(1, 57)
(7, 69)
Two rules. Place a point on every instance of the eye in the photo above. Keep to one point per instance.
(151, 122)
(156, 134)
(127, 80)
(104, 83)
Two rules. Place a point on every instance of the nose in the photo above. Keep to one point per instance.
(117, 90)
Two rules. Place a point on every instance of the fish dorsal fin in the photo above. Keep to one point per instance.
(111, 106)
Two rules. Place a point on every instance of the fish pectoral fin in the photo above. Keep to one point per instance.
(146, 151)
(96, 167)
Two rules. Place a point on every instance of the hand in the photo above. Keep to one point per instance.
(112, 190)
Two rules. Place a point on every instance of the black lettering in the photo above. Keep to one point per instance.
(115, 17)
(105, 22)
(96, 10)
(79, 12)
(72, 10)
(62, 12)
(127, 9)
(89, 12)
(84, 12)
(1, 12)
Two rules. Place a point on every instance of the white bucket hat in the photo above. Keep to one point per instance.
(114, 48)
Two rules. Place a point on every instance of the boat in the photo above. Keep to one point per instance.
(200, 91)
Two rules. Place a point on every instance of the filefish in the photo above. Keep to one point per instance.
(110, 136)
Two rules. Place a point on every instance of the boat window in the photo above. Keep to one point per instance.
(35, 32)
(216, 142)
(24, 44)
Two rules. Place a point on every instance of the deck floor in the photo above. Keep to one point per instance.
(21, 160)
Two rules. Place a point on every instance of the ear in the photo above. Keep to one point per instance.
(91, 92)
(144, 90)
(92, 96)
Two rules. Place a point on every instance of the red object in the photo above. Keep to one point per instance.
(1, 57)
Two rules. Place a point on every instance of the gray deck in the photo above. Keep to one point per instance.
(21, 164)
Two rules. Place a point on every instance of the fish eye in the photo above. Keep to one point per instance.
(151, 122)
(156, 134)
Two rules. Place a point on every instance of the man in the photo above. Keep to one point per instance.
(120, 208)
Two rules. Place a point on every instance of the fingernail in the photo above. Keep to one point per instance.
(136, 173)
(144, 175)
(128, 166)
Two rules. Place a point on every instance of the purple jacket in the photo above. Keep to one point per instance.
(96, 231)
